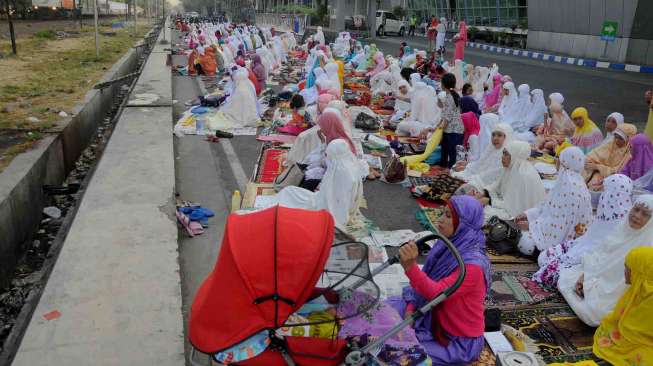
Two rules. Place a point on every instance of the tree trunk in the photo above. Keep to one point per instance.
(11, 28)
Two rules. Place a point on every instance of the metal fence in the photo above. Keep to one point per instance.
(283, 22)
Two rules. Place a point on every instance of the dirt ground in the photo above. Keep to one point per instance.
(50, 74)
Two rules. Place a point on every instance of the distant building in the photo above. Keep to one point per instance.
(575, 27)
(492, 13)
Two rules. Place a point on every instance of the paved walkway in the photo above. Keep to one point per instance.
(116, 282)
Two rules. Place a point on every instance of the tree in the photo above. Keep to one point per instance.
(399, 12)
(8, 10)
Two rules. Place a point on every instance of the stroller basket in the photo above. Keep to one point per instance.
(271, 263)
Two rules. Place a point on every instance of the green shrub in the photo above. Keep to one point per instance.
(45, 34)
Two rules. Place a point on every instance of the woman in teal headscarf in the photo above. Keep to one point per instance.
(364, 60)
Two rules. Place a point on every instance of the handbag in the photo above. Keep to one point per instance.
(291, 176)
(503, 235)
(492, 319)
(366, 122)
(395, 170)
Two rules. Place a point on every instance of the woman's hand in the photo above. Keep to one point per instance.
(579, 286)
(407, 315)
(590, 166)
(460, 166)
(425, 133)
(408, 255)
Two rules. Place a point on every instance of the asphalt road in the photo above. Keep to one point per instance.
(206, 172)
(600, 91)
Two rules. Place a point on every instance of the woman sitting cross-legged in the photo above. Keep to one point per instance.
(519, 188)
(610, 157)
(614, 204)
(452, 332)
(487, 169)
(564, 214)
(340, 191)
(624, 336)
(593, 287)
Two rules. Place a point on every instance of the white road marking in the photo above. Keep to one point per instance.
(234, 163)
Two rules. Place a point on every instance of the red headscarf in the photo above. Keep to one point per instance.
(472, 126)
(332, 128)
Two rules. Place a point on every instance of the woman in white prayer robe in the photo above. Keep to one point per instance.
(341, 189)
(593, 287)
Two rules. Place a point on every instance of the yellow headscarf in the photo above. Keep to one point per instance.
(625, 336)
(588, 125)
(560, 148)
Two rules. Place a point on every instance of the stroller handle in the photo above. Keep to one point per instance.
(358, 356)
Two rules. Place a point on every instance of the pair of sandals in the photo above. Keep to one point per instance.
(374, 174)
(192, 227)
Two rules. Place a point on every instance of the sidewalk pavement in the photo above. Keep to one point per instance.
(116, 283)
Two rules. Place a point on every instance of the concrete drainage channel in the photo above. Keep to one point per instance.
(19, 299)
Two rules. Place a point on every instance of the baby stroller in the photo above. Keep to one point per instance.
(271, 263)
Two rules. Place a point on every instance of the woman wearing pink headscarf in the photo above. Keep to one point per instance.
(324, 100)
(379, 60)
(460, 39)
(332, 128)
(472, 126)
(492, 97)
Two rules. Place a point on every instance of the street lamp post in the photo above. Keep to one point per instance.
(97, 36)
(498, 15)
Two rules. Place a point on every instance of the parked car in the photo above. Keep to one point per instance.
(387, 22)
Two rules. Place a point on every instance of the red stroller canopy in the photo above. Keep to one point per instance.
(269, 263)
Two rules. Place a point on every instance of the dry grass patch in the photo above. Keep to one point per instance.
(51, 75)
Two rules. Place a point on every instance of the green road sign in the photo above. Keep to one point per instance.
(609, 30)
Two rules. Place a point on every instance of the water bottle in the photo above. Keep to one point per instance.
(235, 201)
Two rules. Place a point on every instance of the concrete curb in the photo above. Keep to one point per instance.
(21, 195)
(567, 60)
(117, 280)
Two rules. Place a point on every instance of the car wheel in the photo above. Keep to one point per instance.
(401, 32)
(380, 32)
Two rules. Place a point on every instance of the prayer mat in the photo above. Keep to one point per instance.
(270, 165)
(556, 331)
(424, 203)
(408, 140)
(420, 181)
(496, 258)
(277, 138)
(256, 189)
(512, 287)
(487, 358)
(428, 217)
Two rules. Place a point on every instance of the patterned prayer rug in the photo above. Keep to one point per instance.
(505, 258)
(428, 217)
(270, 165)
(556, 331)
(512, 287)
(486, 358)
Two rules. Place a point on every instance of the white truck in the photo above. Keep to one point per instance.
(387, 22)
